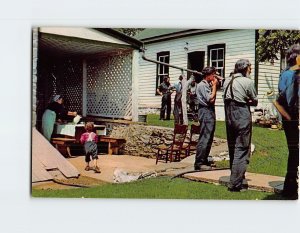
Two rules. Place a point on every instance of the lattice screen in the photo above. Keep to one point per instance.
(109, 86)
(59, 76)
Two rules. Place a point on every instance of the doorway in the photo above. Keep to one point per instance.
(195, 62)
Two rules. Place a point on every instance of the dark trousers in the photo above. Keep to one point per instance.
(292, 136)
(178, 116)
(239, 130)
(90, 148)
(207, 119)
(165, 106)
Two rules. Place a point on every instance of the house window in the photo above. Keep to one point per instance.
(162, 70)
(216, 57)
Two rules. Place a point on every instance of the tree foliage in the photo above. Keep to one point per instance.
(130, 31)
(272, 43)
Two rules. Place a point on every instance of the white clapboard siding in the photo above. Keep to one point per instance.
(239, 44)
(268, 77)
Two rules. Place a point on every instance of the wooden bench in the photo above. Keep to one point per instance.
(114, 144)
(65, 143)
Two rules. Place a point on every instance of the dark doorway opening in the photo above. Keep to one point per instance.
(196, 62)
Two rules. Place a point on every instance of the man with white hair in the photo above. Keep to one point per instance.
(239, 95)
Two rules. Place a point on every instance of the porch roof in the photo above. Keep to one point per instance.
(84, 41)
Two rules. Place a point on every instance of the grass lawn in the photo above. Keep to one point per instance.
(269, 157)
(158, 188)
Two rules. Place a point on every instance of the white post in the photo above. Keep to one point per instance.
(185, 84)
(84, 85)
(135, 84)
(34, 73)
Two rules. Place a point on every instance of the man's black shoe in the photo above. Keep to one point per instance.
(234, 189)
(197, 168)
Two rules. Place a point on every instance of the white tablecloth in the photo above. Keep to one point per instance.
(70, 129)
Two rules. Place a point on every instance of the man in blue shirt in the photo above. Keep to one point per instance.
(289, 98)
(206, 95)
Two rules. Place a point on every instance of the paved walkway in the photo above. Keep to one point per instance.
(132, 164)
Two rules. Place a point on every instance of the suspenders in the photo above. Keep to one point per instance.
(231, 91)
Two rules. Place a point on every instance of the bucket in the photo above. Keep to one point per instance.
(142, 118)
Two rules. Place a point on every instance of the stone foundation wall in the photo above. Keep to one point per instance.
(143, 140)
(149, 110)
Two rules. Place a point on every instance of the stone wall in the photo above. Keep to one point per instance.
(143, 140)
(149, 110)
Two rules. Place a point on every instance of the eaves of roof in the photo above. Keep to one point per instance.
(135, 43)
(179, 34)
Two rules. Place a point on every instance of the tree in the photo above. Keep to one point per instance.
(272, 43)
(130, 31)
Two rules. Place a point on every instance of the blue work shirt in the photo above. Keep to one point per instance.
(203, 92)
(286, 86)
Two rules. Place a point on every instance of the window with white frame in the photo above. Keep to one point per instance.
(216, 57)
(162, 70)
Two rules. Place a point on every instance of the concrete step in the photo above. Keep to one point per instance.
(259, 182)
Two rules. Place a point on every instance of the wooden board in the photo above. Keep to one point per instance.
(39, 172)
(49, 157)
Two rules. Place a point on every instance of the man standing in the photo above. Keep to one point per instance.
(239, 95)
(178, 116)
(206, 94)
(289, 98)
(165, 92)
(192, 99)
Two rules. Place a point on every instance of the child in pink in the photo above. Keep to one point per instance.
(89, 139)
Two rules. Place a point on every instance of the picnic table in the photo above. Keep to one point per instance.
(68, 134)
(114, 144)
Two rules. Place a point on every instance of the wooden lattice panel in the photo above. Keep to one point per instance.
(71, 84)
(109, 86)
(59, 76)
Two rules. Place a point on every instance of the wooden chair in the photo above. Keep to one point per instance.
(165, 152)
(194, 138)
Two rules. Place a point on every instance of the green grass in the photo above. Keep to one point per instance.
(158, 188)
(269, 157)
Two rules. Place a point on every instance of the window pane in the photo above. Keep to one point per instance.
(167, 59)
(220, 71)
(164, 69)
(220, 63)
(167, 69)
(213, 54)
(220, 53)
(160, 69)
(213, 63)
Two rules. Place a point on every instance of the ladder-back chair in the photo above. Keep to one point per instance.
(194, 138)
(172, 152)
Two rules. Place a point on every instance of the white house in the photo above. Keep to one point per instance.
(194, 49)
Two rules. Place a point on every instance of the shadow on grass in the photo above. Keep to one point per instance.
(277, 196)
